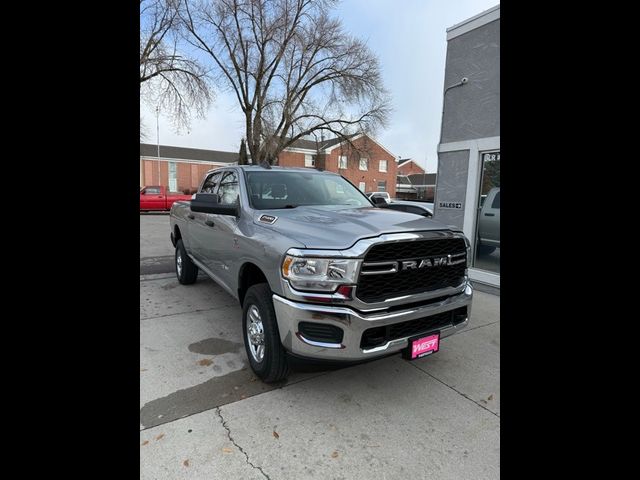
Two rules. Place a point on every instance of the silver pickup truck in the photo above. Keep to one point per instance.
(320, 271)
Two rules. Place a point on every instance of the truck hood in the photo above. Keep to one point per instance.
(331, 228)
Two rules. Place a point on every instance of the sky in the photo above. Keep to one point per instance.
(409, 37)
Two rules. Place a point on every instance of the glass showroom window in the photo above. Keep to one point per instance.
(487, 238)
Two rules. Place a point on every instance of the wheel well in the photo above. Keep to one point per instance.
(176, 235)
(250, 275)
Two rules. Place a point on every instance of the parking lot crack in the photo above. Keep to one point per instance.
(246, 456)
(455, 390)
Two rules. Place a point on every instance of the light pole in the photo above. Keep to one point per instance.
(158, 139)
(462, 81)
(424, 178)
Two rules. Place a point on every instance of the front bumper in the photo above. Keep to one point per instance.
(353, 323)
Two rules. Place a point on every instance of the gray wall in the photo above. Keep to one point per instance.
(453, 169)
(473, 110)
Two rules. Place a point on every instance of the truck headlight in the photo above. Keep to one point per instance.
(319, 274)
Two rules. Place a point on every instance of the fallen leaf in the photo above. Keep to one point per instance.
(186, 463)
(243, 396)
(483, 400)
(334, 454)
(160, 436)
(145, 442)
(275, 434)
(490, 397)
(205, 362)
(227, 450)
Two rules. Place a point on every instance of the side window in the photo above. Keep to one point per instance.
(229, 189)
(496, 201)
(151, 191)
(211, 183)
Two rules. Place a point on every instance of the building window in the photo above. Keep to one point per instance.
(382, 186)
(309, 160)
(173, 180)
(364, 164)
(382, 166)
(342, 161)
(362, 186)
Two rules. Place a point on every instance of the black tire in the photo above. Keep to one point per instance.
(273, 366)
(188, 273)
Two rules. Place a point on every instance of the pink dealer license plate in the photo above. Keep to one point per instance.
(422, 346)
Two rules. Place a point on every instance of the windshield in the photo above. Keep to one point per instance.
(269, 190)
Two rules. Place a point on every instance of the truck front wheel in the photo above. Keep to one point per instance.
(261, 336)
(186, 270)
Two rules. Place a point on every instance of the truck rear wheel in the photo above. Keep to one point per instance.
(186, 270)
(261, 335)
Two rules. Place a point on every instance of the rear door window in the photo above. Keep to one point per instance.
(210, 185)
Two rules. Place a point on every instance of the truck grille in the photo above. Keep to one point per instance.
(378, 336)
(387, 257)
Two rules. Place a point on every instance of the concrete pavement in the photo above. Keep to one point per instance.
(205, 415)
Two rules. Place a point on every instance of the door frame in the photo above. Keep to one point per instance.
(474, 176)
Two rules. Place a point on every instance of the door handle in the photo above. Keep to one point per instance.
(191, 216)
(489, 214)
(209, 223)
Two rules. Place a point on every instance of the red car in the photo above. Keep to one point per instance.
(156, 197)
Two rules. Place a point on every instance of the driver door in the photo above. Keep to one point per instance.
(199, 222)
(218, 241)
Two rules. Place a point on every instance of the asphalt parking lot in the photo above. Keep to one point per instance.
(203, 414)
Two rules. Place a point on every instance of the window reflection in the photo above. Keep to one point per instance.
(487, 237)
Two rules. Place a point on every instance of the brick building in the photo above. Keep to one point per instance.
(366, 164)
(179, 168)
(407, 166)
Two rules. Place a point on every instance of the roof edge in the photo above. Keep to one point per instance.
(474, 22)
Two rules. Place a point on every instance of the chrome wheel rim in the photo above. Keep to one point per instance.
(179, 263)
(255, 333)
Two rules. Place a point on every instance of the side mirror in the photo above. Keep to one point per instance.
(210, 203)
(379, 202)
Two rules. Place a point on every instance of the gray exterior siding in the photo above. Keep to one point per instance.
(453, 169)
(473, 110)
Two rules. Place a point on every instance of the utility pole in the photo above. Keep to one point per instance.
(424, 177)
(158, 140)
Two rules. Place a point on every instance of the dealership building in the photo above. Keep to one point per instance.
(468, 181)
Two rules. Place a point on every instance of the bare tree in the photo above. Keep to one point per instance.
(292, 68)
(242, 157)
(168, 78)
